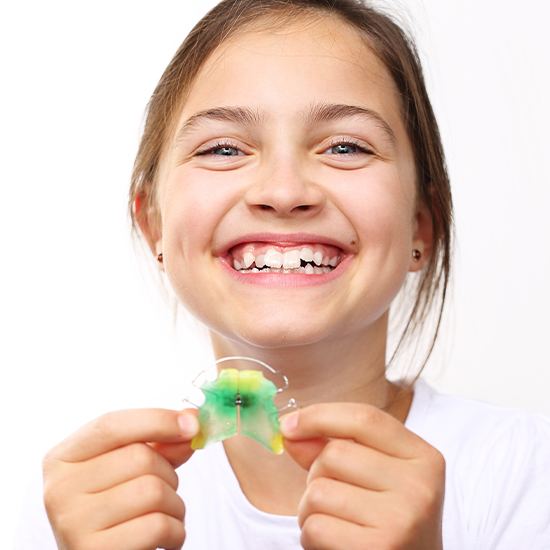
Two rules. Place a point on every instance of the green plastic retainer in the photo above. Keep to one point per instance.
(239, 401)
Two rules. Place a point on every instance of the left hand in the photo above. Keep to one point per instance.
(372, 483)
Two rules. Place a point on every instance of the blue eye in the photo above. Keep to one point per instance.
(344, 143)
(227, 147)
(222, 145)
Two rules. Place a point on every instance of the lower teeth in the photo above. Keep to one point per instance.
(316, 270)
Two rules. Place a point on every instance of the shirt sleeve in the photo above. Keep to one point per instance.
(511, 496)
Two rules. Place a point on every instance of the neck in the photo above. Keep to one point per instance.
(349, 368)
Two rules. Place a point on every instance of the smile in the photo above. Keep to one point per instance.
(310, 259)
(285, 266)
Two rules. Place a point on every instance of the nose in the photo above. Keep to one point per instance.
(285, 192)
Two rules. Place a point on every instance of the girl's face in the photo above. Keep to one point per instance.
(287, 174)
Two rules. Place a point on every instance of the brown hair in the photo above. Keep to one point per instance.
(391, 44)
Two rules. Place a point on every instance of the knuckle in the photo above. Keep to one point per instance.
(426, 494)
(312, 531)
(159, 525)
(104, 425)
(49, 461)
(166, 528)
(181, 506)
(61, 524)
(49, 497)
(366, 414)
(54, 500)
(334, 452)
(153, 488)
(142, 456)
(316, 492)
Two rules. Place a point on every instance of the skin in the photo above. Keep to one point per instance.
(352, 473)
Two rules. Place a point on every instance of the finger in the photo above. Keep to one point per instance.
(359, 465)
(131, 461)
(175, 454)
(361, 422)
(154, 530)
(347, 502)
(118, 428)
(138, 497)
(304, 451)
(324, 532)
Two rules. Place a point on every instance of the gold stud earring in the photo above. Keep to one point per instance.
(416, 254)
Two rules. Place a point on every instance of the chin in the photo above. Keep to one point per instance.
(277, 333)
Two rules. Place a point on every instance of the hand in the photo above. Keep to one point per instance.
(112, 484)
(372, 483)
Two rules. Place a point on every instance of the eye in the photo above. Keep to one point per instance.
(342, 144)
(224, 146)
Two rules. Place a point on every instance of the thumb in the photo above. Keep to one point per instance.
(304, 451)
(179, 453)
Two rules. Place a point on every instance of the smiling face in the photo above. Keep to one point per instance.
(305, 167)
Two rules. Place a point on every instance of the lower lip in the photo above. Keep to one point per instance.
(286, 280)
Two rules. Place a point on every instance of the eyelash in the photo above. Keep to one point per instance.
(334, 143)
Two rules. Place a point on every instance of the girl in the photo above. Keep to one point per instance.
(283, 130)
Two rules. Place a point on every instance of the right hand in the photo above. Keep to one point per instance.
(112, 484)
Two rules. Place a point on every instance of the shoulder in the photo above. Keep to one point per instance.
(455, 423)
(498, 480)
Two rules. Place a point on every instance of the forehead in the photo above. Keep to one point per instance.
(281, 70)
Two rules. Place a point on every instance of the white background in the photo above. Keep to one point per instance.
(84, 328)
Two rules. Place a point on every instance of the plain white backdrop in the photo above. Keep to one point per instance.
(84, 327)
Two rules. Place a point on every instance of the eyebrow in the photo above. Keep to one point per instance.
(316, 112)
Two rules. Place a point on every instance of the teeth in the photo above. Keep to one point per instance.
(306, 254)
(248, 259)
(273, 258)
(308, 270)
(260, 260)
(291, 259)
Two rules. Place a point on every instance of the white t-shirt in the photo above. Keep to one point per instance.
(497, 493)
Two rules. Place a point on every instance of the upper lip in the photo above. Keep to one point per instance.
(282, 239)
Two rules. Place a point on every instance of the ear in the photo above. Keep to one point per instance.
(422, 236)
(149, 222)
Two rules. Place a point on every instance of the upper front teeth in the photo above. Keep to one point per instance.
(287, 260)
(248, 259)
(273, 258)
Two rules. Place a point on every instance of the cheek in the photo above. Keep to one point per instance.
(191, 213)
(381, 210)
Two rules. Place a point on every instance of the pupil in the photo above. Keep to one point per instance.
(341, 148)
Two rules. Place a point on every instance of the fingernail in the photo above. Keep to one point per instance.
(189, 425)
(289, 422)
